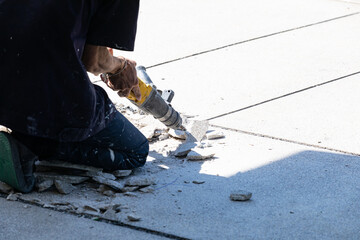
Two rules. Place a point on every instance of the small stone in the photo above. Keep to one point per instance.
(64, 187)
(199, 154)
(122, 173)
(90, 208)
(148, 189)
(110, 214)
(240, 195)
(198, 182)
(133, 218)
(130, 194)
(44, 185)
(13, 196)
(5, 188)
(215, 135)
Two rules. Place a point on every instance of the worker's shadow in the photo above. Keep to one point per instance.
(308, 183)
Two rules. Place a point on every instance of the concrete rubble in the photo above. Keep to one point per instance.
(5, 188)
(240, 195)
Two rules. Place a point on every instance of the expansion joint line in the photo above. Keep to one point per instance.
(285, 95)
(253, 39)
(284, 140)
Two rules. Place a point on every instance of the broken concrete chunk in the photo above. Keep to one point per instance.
(133, 218)
(111, 183)
(139, 181)
(64, 187)
(108, 193)
(66, 165)
(148, 189)
(240, 195)
(110, 214)
(122, 173)
(5, 188)
(179, 134)
(45, 185)
(197, 130)
(13, 196)
(101, 174)
(184, 149)
(215, 135)
(130, 189)
(199, 154)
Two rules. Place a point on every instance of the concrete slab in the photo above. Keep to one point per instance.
(169, 30)
(23, 221)
(297, 193)
(236, 77)
(326, 116)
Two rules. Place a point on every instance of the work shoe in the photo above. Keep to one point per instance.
(16, 164)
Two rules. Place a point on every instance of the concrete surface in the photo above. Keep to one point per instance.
(223, 56)
(23, 221)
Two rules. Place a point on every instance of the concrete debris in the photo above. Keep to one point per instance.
(101, 174)
(198, 182)
(197, 130)
(108, 193)
(140, 181)
(66, 165)
(122, 173)
(44, 185)
(148, 131)
(215, 135)
(110, 214)
(204, 145)
(148, 189)
(64, 187)
(13, 196)
(199, 154)
(240, 195)
(133, 218)
(184, 149)
(130, 189)
(111, 183)
(40, 177)
(5, 188)
(130, 194)
(164, 136)
(91, 208)
(178, 134)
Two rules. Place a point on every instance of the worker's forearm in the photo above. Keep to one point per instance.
(97, 59)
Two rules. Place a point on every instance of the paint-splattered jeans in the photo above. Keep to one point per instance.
(119, 146)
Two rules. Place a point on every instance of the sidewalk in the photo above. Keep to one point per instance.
(281, 80)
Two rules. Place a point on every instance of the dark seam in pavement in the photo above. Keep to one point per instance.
(99, 219)
(252, 39)
(284, 140)
(285, 95)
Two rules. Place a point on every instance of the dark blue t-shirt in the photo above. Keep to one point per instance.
(44, 88)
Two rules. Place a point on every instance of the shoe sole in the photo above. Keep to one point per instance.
(10, 166)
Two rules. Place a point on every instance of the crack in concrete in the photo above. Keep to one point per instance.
(285, 140)
(252, 39)
(98, 219)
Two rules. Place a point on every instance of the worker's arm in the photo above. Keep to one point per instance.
(97, 60)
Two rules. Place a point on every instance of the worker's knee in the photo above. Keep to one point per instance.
(139, 155)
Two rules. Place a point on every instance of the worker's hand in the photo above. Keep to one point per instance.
(126, 81)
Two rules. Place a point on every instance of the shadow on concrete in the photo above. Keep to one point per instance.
(308, 194)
